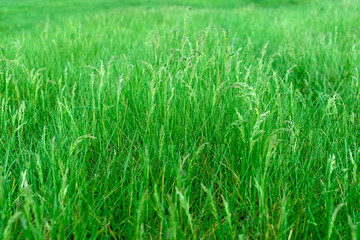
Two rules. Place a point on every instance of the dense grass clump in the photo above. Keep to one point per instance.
(149, 119)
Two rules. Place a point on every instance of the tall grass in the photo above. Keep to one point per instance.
(177, 123)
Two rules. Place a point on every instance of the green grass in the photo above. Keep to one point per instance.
(148, 119)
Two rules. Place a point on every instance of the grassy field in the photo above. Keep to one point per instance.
(149, 119)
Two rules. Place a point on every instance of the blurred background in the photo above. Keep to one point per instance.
(22, 14)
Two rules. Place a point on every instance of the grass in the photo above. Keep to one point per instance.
(148, 119)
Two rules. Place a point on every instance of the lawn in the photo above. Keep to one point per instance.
(194, 119)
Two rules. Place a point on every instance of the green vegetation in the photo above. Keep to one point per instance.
(149, 119)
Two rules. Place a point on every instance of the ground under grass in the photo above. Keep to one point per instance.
(150, 119)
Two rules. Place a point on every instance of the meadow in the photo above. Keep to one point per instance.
(193, 119)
